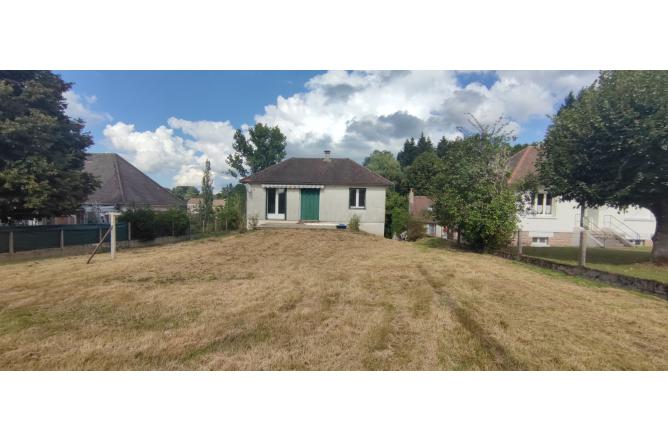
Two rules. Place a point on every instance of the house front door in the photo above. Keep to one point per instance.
(310, 205)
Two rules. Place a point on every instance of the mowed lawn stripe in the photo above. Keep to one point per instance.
(317, 300)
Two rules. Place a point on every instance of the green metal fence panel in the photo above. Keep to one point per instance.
(33, 238)
(27, 238)
(4, 241)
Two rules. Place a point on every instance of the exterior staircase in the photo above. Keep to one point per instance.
(613, 234)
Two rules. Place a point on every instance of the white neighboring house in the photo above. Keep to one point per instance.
(321, 192)
(555, 222)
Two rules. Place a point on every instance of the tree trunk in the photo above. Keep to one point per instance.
(582, 255)
(660, 238)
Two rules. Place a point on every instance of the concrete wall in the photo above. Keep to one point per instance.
(334, 206)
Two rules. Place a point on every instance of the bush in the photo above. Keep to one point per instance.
(354, 223)
(414, 229)
(147, 224)
(142, 223)
(252, 222)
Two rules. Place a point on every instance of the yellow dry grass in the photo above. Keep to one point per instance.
(317, 300)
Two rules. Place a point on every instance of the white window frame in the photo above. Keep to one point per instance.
(541, 210)
(275, 215)
(540, 241)
(357, 198)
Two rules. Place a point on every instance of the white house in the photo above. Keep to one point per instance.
(318, 192)
(551, 221)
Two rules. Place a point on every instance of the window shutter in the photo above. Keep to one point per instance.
(351, 197)
(362, 197)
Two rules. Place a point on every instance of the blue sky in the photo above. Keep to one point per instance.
(169, 122)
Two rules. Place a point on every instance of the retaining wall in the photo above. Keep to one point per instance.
(649, 286)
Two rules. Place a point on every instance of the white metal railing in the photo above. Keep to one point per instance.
(620, 228)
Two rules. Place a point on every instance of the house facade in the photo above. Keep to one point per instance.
(193, 204)
(122, 186)
(551, 221)
(319, 191)
(420, 207)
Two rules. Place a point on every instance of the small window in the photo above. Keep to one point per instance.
(541, 203)
(540, 241)
(357, 198)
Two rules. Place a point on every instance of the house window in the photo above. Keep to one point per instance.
(540, 241)
(542, 203)
(276, 203)
(357, 198)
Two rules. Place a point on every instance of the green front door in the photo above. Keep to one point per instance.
(310, 204)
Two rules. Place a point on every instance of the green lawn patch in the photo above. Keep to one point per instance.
(633, 262)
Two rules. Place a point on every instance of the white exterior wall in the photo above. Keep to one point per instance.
(333, 206)
(565, 217)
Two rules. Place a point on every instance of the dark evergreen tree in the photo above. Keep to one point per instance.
(42, 150)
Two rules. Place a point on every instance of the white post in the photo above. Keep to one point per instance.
(112, 217)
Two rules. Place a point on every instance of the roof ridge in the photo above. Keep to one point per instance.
(118, 177)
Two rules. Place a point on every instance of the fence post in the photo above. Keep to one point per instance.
(519, 243)
(129, 233)
(62, 239)
(11, 244)
(113, 235)
(99, 234)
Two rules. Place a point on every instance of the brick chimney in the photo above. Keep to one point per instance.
(327, 156)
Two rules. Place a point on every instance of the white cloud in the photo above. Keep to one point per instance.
(165, 151)
(356, 112)
(351, 113)
(79, 108)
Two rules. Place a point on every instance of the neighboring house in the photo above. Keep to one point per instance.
(420, 207)
(329, 191)
(122, 187)
(193, 204)
(555, 222)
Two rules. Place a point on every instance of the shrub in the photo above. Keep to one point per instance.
(414, 229)
(147, 224)
(142, 223)
(354, 223)
(252, 222)
(171, 222)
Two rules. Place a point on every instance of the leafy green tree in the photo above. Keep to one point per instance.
(231, 216)
(42, 150)
(206, 206)
(265, 147)
(471, 193)
(609, 145)
(422, 173)
(384, 163)
(225, 191)
(185, 192)
(396, 213)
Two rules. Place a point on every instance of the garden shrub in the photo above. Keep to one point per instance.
(354, 223)
(414, 229)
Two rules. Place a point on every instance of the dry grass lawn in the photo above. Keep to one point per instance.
(318, 300)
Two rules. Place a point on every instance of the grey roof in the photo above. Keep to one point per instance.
(306, 171)
(123, 184)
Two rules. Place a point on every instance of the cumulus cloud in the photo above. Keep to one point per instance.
(180, 148)
(78, 107)
(353, 113)
(361, 111)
